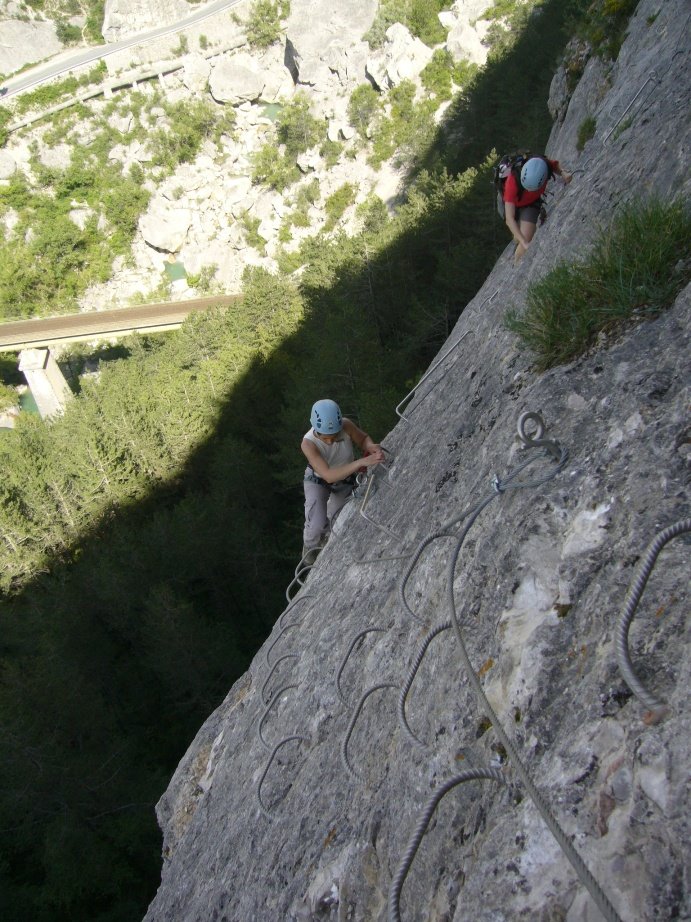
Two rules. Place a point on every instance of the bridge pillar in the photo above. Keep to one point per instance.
(46, 382)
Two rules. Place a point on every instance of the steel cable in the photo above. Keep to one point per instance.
(301, 598)
(268, 710)
(579, 866)
(471, 774)
(265, 810)
(280, 659)
(351, 726)
(369, 630)
(411, 678)
(633, 597)
(278, 637)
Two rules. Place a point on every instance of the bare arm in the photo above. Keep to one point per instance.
(334, 474)
(512, 224)
(565, 175)
(361, 439)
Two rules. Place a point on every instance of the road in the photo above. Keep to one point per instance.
(147, 318)
(44, 72)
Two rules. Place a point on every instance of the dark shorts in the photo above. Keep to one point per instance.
(529, 213)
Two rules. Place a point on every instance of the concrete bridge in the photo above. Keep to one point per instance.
(147, 318)
(46, 382)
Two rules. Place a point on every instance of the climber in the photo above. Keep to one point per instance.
(330, 473)
(522, 195)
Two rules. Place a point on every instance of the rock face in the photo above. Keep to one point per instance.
(236, 79)
(402, 58)
(324, 39)
(124, 18)
(299, 795)
(166, 228)
(24, 43)
(466, 31)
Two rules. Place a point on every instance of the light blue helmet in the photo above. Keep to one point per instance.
(326, 417)
(534, 174)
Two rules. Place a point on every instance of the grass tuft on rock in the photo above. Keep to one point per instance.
(636, 269)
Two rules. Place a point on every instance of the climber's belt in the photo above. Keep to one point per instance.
(311, 477)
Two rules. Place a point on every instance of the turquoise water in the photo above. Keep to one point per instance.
(271, 110)
(175, 271)
(27, 402)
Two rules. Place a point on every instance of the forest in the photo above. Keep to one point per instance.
(149, 534)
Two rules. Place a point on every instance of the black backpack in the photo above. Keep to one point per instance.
(509, 163)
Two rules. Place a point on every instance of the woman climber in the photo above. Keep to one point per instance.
(331, 469)
(522, 195)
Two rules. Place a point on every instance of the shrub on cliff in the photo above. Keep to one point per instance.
(636, 269)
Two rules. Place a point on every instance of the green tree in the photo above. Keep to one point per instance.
(362, 107)
(297, 128)
(264, 24)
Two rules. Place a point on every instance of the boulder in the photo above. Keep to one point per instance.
(125, 18)
(464, 42)
(164, 227)
(324, 36)
(236, 79)
(195, 73)
(236, 189)
(466, 30)
(24, 43)
(57, 158)
(402, 58)
(278, 83)
(309, 160)
(8, 165)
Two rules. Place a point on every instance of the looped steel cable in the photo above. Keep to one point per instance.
(268, 709)
(280, 659)
(265, 810)
(411, 678)
(301, 598)
(351, 726)
(471, 774)
(296, 580)
(633, 597)
(345, 659)
(579, 866)
(411, 566)
(278, 637)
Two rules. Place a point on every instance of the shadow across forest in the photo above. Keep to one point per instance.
(120, 647)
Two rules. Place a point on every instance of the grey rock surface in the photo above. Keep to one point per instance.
(124, 18)
(260, 833)
(23, 43)
(236, 79)
(325, 37)
(402, 57)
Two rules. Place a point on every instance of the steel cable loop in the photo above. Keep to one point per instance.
(345, 659)
(579, 866)
(300, 583)
(499, 487)
(292, 605)
(280, 659)
(471, 774)
(411, 678)
(351, 726)
(278, 637)
(411, 566)
(267, 711)
(283, 742)
(638, 584)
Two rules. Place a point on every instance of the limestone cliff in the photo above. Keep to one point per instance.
(317, 829)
